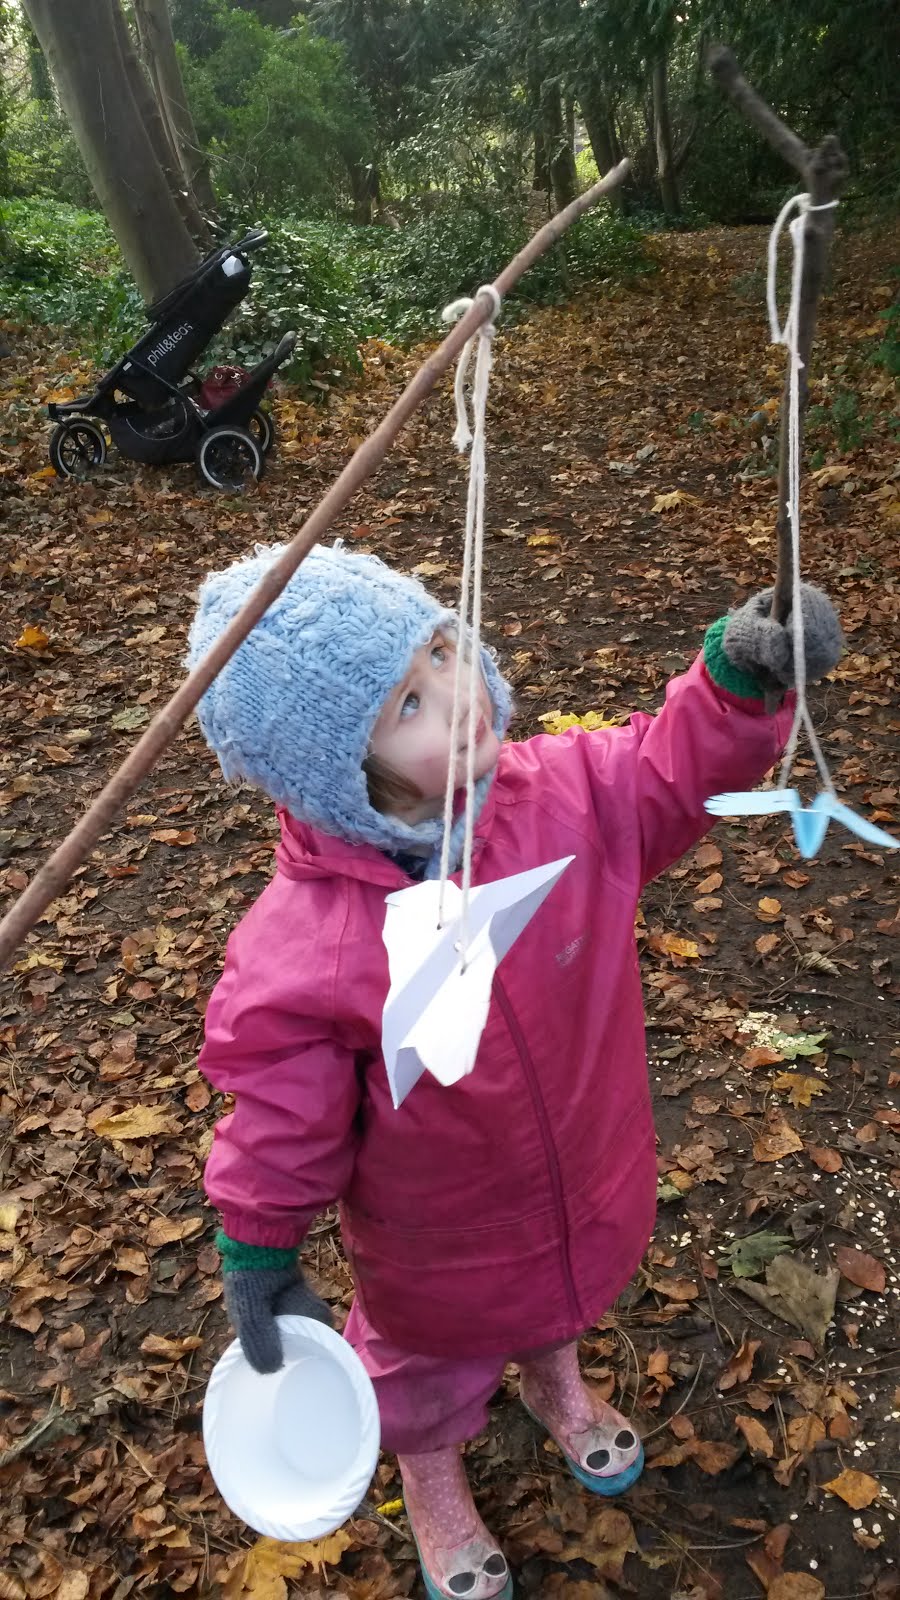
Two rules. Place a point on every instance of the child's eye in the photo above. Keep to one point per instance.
(438, 655)
(410, 705)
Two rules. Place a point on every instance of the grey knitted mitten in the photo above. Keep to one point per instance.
(759, 646)
(255, 1296)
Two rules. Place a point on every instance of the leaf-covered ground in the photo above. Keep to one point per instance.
(630, 503)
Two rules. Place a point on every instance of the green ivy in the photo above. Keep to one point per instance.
(333, 283)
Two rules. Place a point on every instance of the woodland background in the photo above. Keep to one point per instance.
(398, 153)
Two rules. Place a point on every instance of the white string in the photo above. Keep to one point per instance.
(788, 335)
(473, 564)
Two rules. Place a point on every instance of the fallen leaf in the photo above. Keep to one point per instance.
(74, 1586)
(824, 476)
(799, 1087)
(856, 1489)
(166, 1230)
(139, 1122)
(777, 1140)
(739, 1366)
(707, 855)
(747, 1257)
(713, 1456)
(675, 498)
(762, 1055)
(861, 1269)
(796, 1293)
(766, 943)
(131, 1261)
(127, 721)
(757, 1437)
(561, 721)
(32, 638)
(803, 1433)
(769, 908)
(764, 1566)
(676, 1288)
(796, 1586)
(672, 944)
(828, 1160)
(156, 1344)
(607, 1540)
(269, 1563)
(775, 1542)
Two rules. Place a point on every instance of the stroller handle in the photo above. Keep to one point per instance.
(253, 238)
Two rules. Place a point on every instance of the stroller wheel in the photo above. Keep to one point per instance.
(230, 458)
(77, 447)
(262, 429)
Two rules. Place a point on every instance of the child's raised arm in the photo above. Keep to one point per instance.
(650, 778)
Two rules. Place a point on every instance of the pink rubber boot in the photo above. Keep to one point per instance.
(459, 1558)
(601, 1448)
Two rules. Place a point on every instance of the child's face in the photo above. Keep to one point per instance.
(412, 734)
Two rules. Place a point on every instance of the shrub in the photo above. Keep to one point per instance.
(63, 268)
(281, 115)
(334, 283)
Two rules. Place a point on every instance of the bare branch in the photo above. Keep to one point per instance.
(822, 172)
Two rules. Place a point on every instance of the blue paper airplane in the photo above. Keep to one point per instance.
(810, 822)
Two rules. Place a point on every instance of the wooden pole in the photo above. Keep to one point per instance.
(823, 172)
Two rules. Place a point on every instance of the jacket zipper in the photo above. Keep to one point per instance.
(550, 1155)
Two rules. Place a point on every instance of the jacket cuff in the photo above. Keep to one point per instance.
(238, 1257)
(725, 675)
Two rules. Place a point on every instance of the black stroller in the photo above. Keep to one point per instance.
(151, 403)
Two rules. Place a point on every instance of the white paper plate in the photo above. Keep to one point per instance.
(293, 1453)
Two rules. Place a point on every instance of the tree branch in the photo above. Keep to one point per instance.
(823, 172)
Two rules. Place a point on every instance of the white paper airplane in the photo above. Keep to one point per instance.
(437, 1007)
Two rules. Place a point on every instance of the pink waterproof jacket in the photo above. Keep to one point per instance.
(507, 1211)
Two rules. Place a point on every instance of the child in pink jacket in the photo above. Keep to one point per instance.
(499, 1218)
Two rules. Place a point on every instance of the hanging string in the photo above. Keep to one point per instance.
(788, 335)
(468, 655)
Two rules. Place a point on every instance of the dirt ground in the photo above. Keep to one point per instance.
(631, 501)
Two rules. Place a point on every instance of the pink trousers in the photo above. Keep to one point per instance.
(426, 1402)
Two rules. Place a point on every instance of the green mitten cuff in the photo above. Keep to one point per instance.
(723, 671)
(237, 1257)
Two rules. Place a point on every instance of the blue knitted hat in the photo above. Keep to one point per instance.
(293, 710)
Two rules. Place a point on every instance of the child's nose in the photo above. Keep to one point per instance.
(463, 706)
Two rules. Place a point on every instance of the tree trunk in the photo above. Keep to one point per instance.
(41, 83)
(615, 142)
(365, 186)
(158, 45)
(86, 64)
(540, 180)
(665, 158)
(541, 173)
(597, 120)
(151, 116)
(563, 176)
